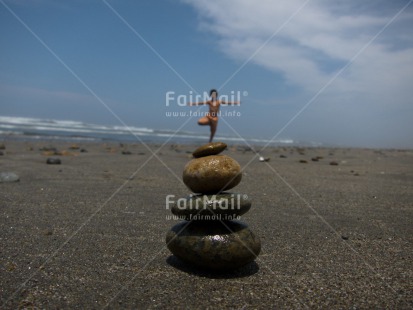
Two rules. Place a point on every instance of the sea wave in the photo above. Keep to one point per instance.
(36, 128)
(66, 125)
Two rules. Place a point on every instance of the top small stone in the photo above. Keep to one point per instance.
(212, 148)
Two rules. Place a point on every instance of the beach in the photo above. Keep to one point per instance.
(335, 226)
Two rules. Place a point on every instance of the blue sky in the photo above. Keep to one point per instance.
(336, 72)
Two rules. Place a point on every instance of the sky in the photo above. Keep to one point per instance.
(334, 72)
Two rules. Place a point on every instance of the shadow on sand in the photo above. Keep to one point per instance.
(245, 271)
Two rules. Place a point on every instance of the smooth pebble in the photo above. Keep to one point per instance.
(212, 174)
(53, 161)
(6, 177)
(225, 206)
(212, 148)
(214, 245)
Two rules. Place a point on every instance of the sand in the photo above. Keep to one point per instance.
(90, 233)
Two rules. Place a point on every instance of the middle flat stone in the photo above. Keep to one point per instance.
(212, 174)
(225, 206)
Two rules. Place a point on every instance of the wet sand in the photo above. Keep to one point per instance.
(90, 233)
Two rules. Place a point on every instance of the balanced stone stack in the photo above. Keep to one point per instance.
(210, 236)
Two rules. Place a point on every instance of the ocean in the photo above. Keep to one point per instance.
(25, 128)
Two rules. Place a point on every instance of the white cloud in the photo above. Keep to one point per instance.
(313, 45)
(317, 42)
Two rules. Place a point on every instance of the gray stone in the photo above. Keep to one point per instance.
(212, 174)
(213, 245)
(212, 148)
(6, 177)
(225, 206)
(53, 161)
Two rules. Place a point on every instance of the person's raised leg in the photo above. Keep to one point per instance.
(203, 121)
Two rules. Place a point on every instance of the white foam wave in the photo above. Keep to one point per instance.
(67, 126)
(35, 127)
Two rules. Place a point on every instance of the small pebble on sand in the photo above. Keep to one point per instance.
(7, 177)
(53, 161)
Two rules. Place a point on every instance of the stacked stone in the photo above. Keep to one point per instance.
(209, 236)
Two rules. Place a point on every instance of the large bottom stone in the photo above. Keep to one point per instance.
(213, 244)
